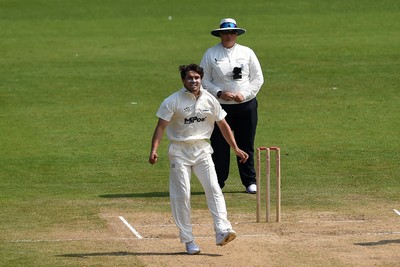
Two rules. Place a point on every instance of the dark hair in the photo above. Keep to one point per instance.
(191, 67)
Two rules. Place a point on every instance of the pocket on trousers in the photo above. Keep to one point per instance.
(208, 148)
(172, 150)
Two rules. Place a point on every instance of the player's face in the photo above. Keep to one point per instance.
(192, 82)
(228, 38)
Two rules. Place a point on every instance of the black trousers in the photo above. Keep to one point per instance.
(242, 118)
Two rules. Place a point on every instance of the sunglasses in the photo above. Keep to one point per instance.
(228, 25)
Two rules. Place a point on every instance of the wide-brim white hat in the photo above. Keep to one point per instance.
(227, 25)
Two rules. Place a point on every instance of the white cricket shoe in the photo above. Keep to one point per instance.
(192, 248)
(251, 189)
(224, 238)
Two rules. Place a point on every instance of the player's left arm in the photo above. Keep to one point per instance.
(228, 135)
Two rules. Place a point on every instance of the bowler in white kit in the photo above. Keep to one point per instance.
(188, 116)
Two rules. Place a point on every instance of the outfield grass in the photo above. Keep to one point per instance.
(80, 82)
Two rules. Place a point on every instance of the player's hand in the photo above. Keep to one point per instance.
(242, 155)
(153, 157)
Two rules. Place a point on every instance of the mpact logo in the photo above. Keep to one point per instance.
(194, 119)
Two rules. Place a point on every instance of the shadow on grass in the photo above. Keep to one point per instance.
(125, 253)
(378, 243)
(155, 194)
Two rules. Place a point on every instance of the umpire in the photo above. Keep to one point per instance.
(232, 73)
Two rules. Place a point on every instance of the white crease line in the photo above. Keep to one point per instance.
(350, 234)
(172, 225)
(398, 212)
(197, 237)
(349, 221)
(130, 227)
(65, 240)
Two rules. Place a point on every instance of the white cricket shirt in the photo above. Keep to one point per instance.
(190, 118)
(218, 63)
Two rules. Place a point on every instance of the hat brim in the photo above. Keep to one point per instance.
(217, 32)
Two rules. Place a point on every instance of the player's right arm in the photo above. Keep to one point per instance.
(156, 140)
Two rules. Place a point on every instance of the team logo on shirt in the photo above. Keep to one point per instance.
(194, 119)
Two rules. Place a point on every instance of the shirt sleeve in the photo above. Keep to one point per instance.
(166, 110)
(219, 112)
(256, 78)
(207, 81)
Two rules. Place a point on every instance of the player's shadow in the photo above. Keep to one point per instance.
(379, 243)
(155, 194)
(125, 253)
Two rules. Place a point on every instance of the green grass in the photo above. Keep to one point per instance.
(80, 82)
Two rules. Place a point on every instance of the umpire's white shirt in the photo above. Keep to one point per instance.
(218, 63)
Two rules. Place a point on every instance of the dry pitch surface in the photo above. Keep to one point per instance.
(302, 239)
(369, 236)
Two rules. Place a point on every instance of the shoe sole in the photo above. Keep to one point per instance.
(194, 252)
(227, 239)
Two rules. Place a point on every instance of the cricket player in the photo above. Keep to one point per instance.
(188, 116)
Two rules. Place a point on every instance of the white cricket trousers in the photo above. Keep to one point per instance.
(195, 156)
